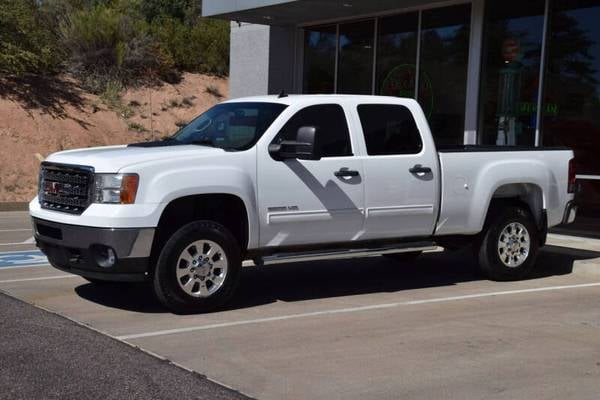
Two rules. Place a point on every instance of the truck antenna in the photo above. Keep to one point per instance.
(282, 94)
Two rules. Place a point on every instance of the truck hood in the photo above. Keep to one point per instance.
(114, 158)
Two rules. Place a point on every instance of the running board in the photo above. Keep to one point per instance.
(281, 258)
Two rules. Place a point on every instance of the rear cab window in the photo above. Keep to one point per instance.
(389, 129)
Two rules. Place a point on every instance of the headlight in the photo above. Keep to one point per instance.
(115, 188)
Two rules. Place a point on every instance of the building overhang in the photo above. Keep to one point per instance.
(300, 12)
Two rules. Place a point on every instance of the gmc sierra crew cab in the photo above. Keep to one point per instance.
(278, 179)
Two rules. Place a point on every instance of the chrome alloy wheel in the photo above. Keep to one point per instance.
(514, 245)
(201, 268)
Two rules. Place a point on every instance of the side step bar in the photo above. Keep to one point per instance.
(281, 258)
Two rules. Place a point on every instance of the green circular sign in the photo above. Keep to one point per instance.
(400, 82)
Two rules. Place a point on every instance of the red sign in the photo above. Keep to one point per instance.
(510, 50)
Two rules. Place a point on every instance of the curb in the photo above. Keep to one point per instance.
(14, 206)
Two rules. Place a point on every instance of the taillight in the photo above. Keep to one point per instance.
(572, 176)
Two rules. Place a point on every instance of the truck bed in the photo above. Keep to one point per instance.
(538, 175)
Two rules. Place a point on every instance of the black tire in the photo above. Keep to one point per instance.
(489, 255)
(166, 286)
(404, 258)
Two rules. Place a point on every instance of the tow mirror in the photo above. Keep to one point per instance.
(303, 148)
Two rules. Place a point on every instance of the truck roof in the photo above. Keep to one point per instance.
(320, 98)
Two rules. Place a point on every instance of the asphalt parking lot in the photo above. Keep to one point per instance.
(360, 329)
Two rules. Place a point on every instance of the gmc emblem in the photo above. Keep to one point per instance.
(52, 187)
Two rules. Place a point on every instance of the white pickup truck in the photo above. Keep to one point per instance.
(277, 179)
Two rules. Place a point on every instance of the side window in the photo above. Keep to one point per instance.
(389, 129)
(332, 136)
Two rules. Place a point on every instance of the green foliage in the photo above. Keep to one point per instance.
(26, 45)
(200, 47)
(178, 9)
(108, 43)
(105, 41)
(134, 126)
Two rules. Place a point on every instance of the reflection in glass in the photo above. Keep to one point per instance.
(397, 55)
(513, 33)
(572, 92)
(571, 109)
(443, 70)
(319, 59)
(355, 69)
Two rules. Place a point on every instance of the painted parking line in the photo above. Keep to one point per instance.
(31, 240)
(349, 310)
(22, 258)
(41, 278)
(16, 230)
(26, 266)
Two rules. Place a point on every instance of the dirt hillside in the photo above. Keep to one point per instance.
(39, 117)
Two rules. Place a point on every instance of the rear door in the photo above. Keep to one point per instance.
(312, 201)
(401, 172)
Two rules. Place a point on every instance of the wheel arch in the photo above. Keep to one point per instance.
(225, 208)
(528, 196)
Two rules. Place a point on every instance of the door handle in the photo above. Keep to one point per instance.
(419, 169)
(344, 172)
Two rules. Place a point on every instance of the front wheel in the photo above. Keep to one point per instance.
(510, 245)
(198, 268)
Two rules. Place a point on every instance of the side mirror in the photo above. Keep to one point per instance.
(303, 148)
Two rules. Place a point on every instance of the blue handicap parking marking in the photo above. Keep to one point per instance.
(22, 258)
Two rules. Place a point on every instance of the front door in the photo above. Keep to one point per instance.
(401, 168)
(312, 201)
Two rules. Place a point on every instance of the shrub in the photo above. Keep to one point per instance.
(214, 91)
(26, 44)
(109, 44)
(199, 47)
(134, 126)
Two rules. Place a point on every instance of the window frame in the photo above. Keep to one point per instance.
(364, 137)
(303, 107)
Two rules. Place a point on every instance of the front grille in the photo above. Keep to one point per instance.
(66, 188)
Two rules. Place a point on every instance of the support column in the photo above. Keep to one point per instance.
(474, 71)
(263, 60)
(248, 60)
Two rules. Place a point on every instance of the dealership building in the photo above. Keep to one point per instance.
(490, 72)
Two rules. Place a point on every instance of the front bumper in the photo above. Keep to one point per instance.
(82, 250)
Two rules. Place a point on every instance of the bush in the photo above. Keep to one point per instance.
(107, 44)
(199, 47)
(26, 45)
(111, 42)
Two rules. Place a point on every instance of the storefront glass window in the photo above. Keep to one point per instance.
(572, 92)
(355, 69)
(397, 55)
(443, 70)
(571, 109)
(513, 34)
(319, 59)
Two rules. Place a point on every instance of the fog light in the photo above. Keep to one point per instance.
(104, 256)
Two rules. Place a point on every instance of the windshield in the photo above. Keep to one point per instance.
(230, 126)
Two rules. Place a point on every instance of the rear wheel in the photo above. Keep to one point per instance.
(510, 245)
(198, 268)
